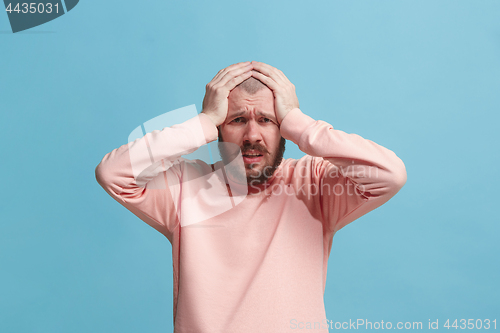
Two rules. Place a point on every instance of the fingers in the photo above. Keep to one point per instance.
(270, 71)
(234, 81)
(283, 89)
(235, 76)
(223, 71)
(215, 102)
(273, 85)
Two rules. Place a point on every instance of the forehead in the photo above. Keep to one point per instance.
(240, 100)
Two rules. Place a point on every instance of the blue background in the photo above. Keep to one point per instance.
(421, 78)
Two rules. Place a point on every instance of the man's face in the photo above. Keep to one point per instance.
(251, 124)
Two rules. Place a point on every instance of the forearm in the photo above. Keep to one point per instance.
(132, 165)
(360, 159)
(375, 172)
(129, 173)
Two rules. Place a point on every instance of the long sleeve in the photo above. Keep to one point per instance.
(134, 174)
(354, 175)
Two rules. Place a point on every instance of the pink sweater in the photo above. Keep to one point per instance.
(251, 263)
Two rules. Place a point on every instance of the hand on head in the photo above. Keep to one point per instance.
(215, 103)
(285, 98)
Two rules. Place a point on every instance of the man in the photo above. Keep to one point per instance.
(251, 234)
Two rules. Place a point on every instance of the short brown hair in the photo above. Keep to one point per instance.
(251, 85)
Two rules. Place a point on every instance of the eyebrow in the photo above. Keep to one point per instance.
(258, 113)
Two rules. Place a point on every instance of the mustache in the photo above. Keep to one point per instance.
(255, 146)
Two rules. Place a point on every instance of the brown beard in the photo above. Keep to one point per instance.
(267, 172)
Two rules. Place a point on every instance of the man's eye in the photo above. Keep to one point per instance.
(237, 120)
(266, 120)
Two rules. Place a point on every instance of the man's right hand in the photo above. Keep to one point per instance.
(215, 103)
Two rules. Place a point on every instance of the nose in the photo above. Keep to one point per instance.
(252, 132)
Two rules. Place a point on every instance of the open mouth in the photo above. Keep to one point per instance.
(252, 157)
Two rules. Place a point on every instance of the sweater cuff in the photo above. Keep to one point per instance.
(209, 130)
(294, 124)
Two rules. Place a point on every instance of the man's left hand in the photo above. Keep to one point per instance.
(285, 98)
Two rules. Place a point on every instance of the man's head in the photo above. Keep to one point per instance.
(251, 124)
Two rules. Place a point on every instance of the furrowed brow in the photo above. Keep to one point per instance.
(238, 114)
(260, 113)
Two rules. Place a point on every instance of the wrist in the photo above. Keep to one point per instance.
(282, 115)
(215, 120)
(295, 124)
(210, 131)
